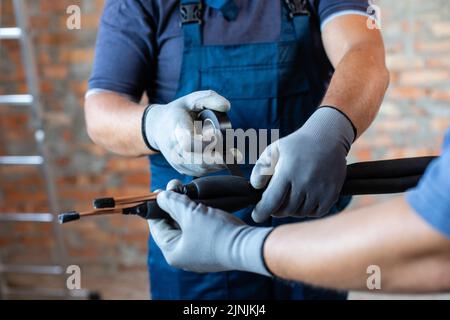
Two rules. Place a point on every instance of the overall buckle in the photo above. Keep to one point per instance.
(297, 8)
(191, 13)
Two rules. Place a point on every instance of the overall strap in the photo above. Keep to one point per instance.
(191, 15)
(300, 15)
(191, 12)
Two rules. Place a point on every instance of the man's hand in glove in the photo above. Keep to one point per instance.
(306, 169)
(170, 130)
(204, 239)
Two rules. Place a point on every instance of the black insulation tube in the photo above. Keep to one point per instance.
(231, 193)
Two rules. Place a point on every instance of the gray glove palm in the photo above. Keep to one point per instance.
(170, 129)
(207, 239)
(306, 169)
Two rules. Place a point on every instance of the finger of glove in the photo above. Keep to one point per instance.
(196, 170)
(176, 158)
(184, 134)
(195, 161)
(326, 205)
(265, 167)
(164, 234)
(212, 101)
(174, 184)
(205, 99)
(293, 201)
(205, 159)
(198, 101)
(310, 206)
(273, 198)
(192, 147)
(178, 206)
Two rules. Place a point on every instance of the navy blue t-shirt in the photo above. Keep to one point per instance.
(139, 43)
(431, 198)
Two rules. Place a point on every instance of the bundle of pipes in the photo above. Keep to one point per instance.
(232, 193)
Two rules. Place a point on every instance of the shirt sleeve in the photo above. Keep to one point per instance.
(124, 48)
(431, 198)
(330, 9)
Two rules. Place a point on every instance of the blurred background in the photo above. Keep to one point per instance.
(111, 251)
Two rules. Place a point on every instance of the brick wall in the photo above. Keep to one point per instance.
(102, 247)
(416, 110)
(112, 251)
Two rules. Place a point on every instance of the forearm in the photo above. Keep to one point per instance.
(335, 252)
(360, 79)
(114, 122)
(358, 86)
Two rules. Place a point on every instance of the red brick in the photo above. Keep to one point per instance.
(439, 61)
(40, 22)
(56, 71)
(56, 7)
(433, 47)
(90, 21)
(122, 164)
(441, 95)
(138, 178)
(407, 93)
(440, 28)
(56, 39)
(82, 55)
(424, 77)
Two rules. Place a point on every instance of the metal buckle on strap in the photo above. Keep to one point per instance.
(191, 13)
(297, 8)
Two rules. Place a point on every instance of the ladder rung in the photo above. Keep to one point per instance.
(21, 160)
(10, 33)
(26, 217)
(31, 269)
(17, 99)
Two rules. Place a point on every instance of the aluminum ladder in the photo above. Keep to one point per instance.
(41, 160)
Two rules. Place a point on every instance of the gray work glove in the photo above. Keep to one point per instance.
(306, 169)
(206, 239)
(170, 130)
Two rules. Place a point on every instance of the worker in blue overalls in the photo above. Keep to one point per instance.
(314, 70)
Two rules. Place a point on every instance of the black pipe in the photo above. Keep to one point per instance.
(232, 193)
(396, 168)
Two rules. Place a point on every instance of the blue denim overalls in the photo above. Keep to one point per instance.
(270, 86)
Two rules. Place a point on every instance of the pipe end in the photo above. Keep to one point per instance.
(68, 216)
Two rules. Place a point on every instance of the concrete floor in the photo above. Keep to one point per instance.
(379, 296)
(134, 286)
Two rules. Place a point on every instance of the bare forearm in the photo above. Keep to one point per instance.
(114, 122)
(360, 79)
(358, 87)
(336, 252)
